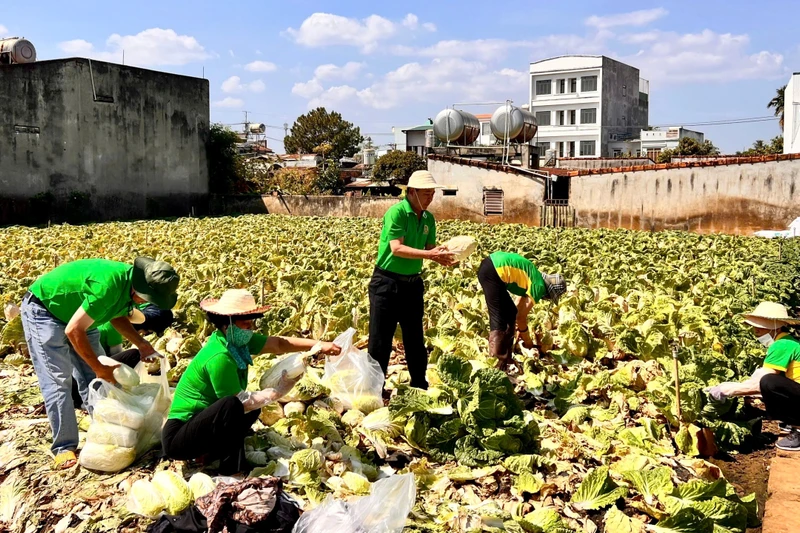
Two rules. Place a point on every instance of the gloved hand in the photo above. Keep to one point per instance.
(716, 393)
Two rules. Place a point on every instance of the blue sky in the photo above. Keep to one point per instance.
(384, 65)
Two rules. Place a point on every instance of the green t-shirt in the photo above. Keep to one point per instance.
(109, 336)
(783, 355)
(99, 286)
(211, 376)
(401, 221)
(519, 275)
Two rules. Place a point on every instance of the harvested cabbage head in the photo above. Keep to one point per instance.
(103, 433)
(366, 404)
(294, 409)
(115, 412)
(201, 484)
(106, 457)
(144, 499)
(352, 418)
(125, 375)
(174, 490)
(294, 365)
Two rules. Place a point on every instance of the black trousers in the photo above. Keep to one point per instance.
(217, 431)
(393, 300)
(502, 311)
(128, 357)
(781, 396)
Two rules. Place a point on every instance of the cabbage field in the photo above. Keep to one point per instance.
(583, 434)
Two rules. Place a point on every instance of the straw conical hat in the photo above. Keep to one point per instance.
(769, 315)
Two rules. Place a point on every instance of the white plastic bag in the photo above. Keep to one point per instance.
(385, 510)
(461, 246)
(354, 378)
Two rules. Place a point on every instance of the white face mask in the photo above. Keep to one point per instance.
(766, 340)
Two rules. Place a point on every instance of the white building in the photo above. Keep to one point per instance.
(582, 103)
(650, 143)
(791, 116)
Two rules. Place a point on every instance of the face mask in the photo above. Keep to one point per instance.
(238, 336)
(766, 340)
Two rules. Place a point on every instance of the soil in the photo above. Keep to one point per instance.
(748, 470)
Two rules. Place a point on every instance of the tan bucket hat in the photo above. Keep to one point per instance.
(769, 315)
(422, 179)
(136, 317)
(234, 302)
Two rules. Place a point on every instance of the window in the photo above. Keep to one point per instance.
(588, 83)
(587, 148)
(560, 118)
(543, 86)
(449, 192)
(543, 148)
(589, 116)
(543, 118)
(652, 153)
(572, 117)
(492, 202)
(561, 86)
(617, 153)
(486, 128)
(624, 90)
(573, 85)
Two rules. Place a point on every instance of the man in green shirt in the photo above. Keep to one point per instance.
(396, 289)
(60, 315)
(778, 380)
(502, 274)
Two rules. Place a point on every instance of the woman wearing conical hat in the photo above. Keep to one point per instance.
(778, 380)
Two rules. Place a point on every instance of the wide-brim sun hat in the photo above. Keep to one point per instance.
(769, 315)
(422, 179)
(156, 282)
(234, 302)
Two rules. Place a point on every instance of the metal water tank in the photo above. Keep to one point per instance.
(257, 128)
(457, 127)
(369, 156)
(513, 124)
(16, 50)
(429, 139)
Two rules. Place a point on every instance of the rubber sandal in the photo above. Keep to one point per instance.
(65, 460)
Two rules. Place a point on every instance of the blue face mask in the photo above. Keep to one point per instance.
(238, 336)
(238, 340)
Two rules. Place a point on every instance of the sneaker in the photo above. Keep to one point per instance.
(790, 443)
(784, 428)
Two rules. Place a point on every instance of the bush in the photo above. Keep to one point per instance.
(397, 166)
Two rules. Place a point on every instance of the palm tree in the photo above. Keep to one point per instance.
(777, 103)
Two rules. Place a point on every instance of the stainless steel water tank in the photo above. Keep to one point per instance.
(457, 127)
(17, 51)
(258, 128)
(514, 124)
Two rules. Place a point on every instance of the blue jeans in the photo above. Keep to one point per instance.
(56, 364)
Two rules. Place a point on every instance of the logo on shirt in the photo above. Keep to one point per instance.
(425, 230)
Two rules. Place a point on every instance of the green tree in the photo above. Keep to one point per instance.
(759, 147)
(777, 104)
(688, 146)
(222, 159)
(397, 166)
(319, 127)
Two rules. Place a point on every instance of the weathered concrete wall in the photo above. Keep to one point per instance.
(737, 199)
(81, 141)
(602, 162)
(622, 114)
(331, 206)
(522, 194)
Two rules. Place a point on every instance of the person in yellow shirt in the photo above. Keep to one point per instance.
(778, 380)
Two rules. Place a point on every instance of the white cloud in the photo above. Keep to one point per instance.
(333, 97)
(152, 47)
(228, 102)
(3, 31)
(634, 18)
(326, 29)
(258, 52)
(308, 89)
(231, 53)
(234, 85)
(260, 66)
(429, 26)
(331, 71)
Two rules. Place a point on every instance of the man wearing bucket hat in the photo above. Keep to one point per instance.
(60, 315)
(396, 290)
(212, 411)
(502, 274)
(778, 380)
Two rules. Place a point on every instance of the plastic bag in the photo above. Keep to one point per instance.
(368, 514)
(353, 377)
(104, 433)
(293, 364)
(461, 246)
(106, 457)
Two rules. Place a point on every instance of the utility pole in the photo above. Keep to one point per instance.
(285, 129)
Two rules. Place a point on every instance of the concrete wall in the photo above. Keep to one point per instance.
(81, 140)
(739, 199)
(522, 194)
(605, 162)
(334, 206)
(622, 113)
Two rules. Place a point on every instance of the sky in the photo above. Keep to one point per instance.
(385, 65)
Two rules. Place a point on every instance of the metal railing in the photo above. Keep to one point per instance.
(557, 214)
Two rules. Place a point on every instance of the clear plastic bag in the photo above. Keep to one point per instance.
(385, 510)
(354, 378)
(125, 423)
(294, 365)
